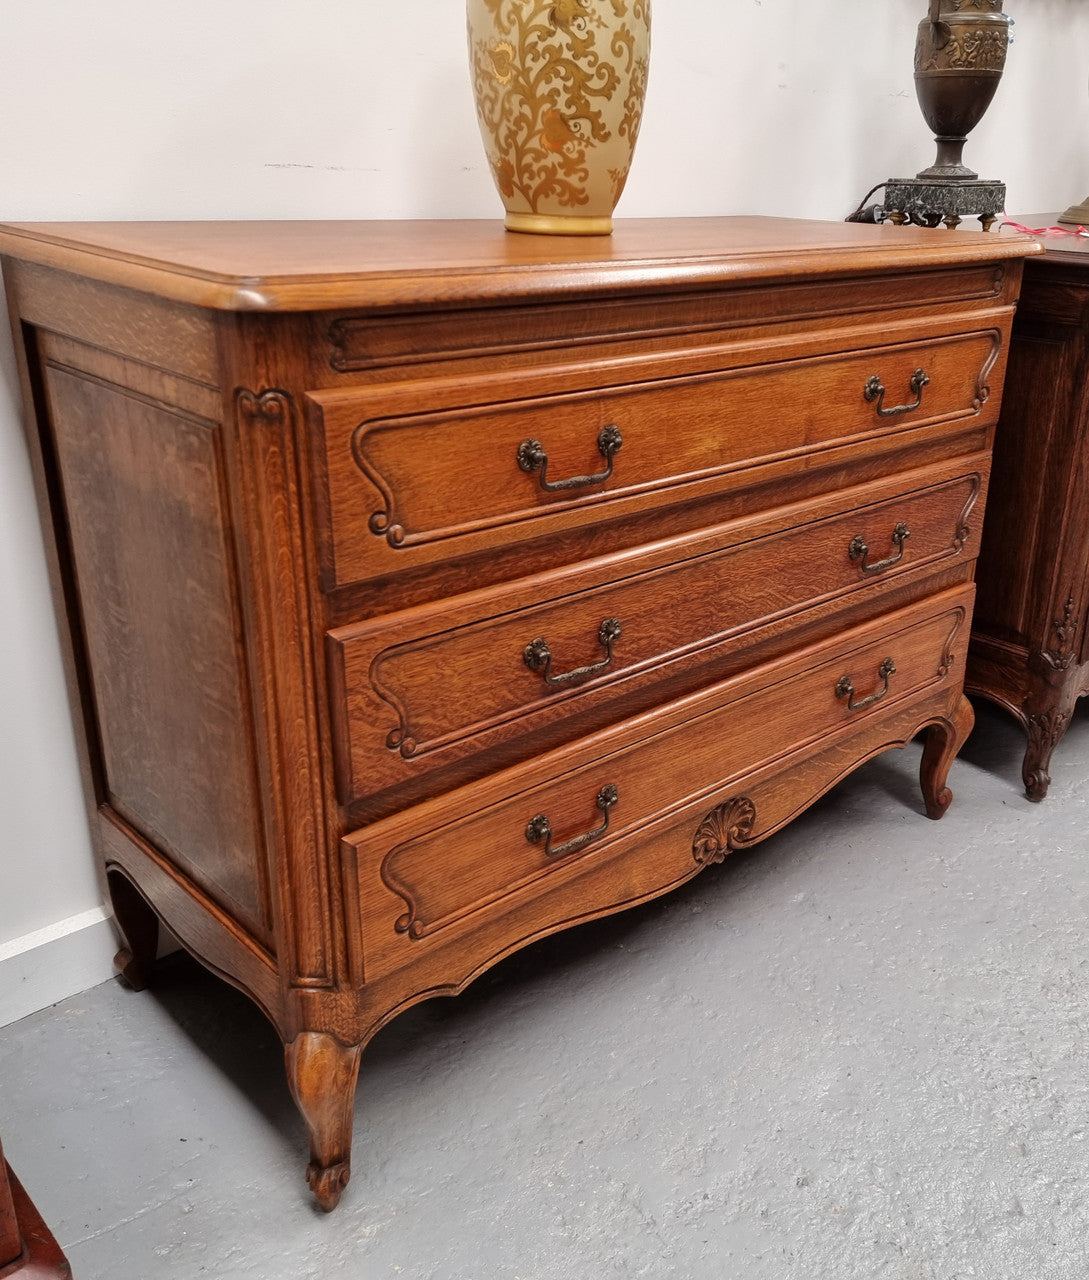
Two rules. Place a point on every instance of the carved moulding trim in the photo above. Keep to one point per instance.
(349, 351)
(728, 827)
(277, 490)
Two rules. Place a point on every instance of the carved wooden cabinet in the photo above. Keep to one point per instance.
(1028, 650)
(429, 589)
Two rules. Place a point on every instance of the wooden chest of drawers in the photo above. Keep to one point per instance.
(429, 589)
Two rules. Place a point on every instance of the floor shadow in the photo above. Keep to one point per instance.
(887, 773)
(569, 951)
(230, 1031)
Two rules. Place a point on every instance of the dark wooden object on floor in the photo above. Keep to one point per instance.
(27, 1248)
(429, 589)
(1028, 650)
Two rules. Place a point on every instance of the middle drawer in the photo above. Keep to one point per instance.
(455, 686)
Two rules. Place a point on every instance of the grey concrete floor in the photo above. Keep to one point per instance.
(859, 1050)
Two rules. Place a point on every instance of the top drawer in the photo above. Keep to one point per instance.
(415, 473)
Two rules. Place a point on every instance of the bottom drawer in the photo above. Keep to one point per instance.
(434, 873)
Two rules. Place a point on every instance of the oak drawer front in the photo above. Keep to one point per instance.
(420, 877)
(421, 691)
(414, 473)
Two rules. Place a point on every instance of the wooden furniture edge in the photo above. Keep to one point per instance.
(402, 285)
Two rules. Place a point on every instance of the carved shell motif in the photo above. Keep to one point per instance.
(725, 829)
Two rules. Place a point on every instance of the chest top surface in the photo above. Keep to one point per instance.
(298, 266)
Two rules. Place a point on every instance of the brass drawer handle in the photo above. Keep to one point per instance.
(538, 655)
(875, 390)
(532, 457)
(541, 829)
(858, 550)
(845, 689)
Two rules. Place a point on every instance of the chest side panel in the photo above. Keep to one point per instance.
(148, 531)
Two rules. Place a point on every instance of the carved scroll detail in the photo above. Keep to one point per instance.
(983, 390)
(382, 521)
(964, 529)
(725, 829)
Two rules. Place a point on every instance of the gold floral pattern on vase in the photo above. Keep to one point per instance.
(559, 87)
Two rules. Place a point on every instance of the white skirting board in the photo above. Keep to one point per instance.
(50, 964)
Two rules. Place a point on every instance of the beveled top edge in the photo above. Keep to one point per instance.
(325, 265)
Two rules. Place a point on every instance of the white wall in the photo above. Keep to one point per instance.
(355, 108)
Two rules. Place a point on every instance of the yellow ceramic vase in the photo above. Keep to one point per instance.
(559, 88)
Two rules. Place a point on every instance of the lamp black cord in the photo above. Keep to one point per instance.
(854, 217)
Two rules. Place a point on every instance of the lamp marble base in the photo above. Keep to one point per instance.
(926, 202)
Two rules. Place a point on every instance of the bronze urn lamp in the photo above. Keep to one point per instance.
(960, 54)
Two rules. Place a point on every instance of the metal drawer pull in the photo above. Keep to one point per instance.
(845, 689)
(538, 655)
(875, 390)
(858, 550)
(541, 829)
(532, 457)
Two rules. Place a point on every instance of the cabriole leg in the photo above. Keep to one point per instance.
(139, 927)
(322, 1073)
(943, 740)
(1045, 729)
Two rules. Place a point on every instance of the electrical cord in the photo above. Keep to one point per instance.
(858, 215)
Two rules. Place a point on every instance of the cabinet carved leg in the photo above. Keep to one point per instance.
(1045, 729)
(943, 740)
(322, 1074)
(139, 927)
